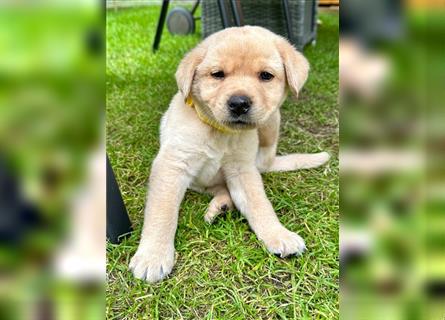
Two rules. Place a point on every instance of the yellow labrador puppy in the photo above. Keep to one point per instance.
(220, 131)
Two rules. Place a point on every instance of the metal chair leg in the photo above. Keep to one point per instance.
(118, 222)
(161, 23)
(287, 19)
(223, 12)
(236, 16)
(195, 7)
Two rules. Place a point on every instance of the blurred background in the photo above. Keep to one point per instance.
(52, 165)
(392, 236)
(392, 228)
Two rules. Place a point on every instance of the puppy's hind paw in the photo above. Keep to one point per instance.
(218, 205)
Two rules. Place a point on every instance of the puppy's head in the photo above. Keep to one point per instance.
(239, 76)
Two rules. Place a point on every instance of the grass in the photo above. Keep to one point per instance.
(222, 271)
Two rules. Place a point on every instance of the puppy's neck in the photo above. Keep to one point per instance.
(202, 115)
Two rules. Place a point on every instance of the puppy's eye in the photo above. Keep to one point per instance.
(266, 76)
(218, 74)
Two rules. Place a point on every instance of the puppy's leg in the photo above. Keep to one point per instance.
(268, 161)
(220, 203)
(154, 258)
(247, 192)
(268, 141)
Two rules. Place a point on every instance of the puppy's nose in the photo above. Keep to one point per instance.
(239, 105)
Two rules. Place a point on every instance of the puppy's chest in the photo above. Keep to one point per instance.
(208, 172)
(213, 155)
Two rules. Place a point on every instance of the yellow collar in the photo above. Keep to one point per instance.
(204, 118)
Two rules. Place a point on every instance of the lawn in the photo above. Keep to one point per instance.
(222, 271)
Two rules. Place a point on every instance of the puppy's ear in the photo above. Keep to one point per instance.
(187, 67)
(295, 65)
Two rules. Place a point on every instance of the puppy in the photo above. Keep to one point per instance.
(219, 132)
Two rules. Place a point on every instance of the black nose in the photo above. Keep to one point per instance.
(239, 105)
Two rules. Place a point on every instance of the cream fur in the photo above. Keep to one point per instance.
(197, 156)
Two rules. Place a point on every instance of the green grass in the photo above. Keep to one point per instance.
(222, 270)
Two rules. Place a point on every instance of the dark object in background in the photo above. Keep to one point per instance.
(181, 20)
(118, 222)
(94, 42)
(17, 216)
(160, 26)
(371, 21)
(294, 19)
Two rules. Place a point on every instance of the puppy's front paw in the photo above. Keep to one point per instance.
(283, 242)
(152, 265)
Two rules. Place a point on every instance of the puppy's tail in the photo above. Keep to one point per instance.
(297, 161)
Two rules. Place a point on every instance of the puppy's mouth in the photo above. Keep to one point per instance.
(240, 124)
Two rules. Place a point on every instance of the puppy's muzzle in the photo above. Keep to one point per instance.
(238, 105)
